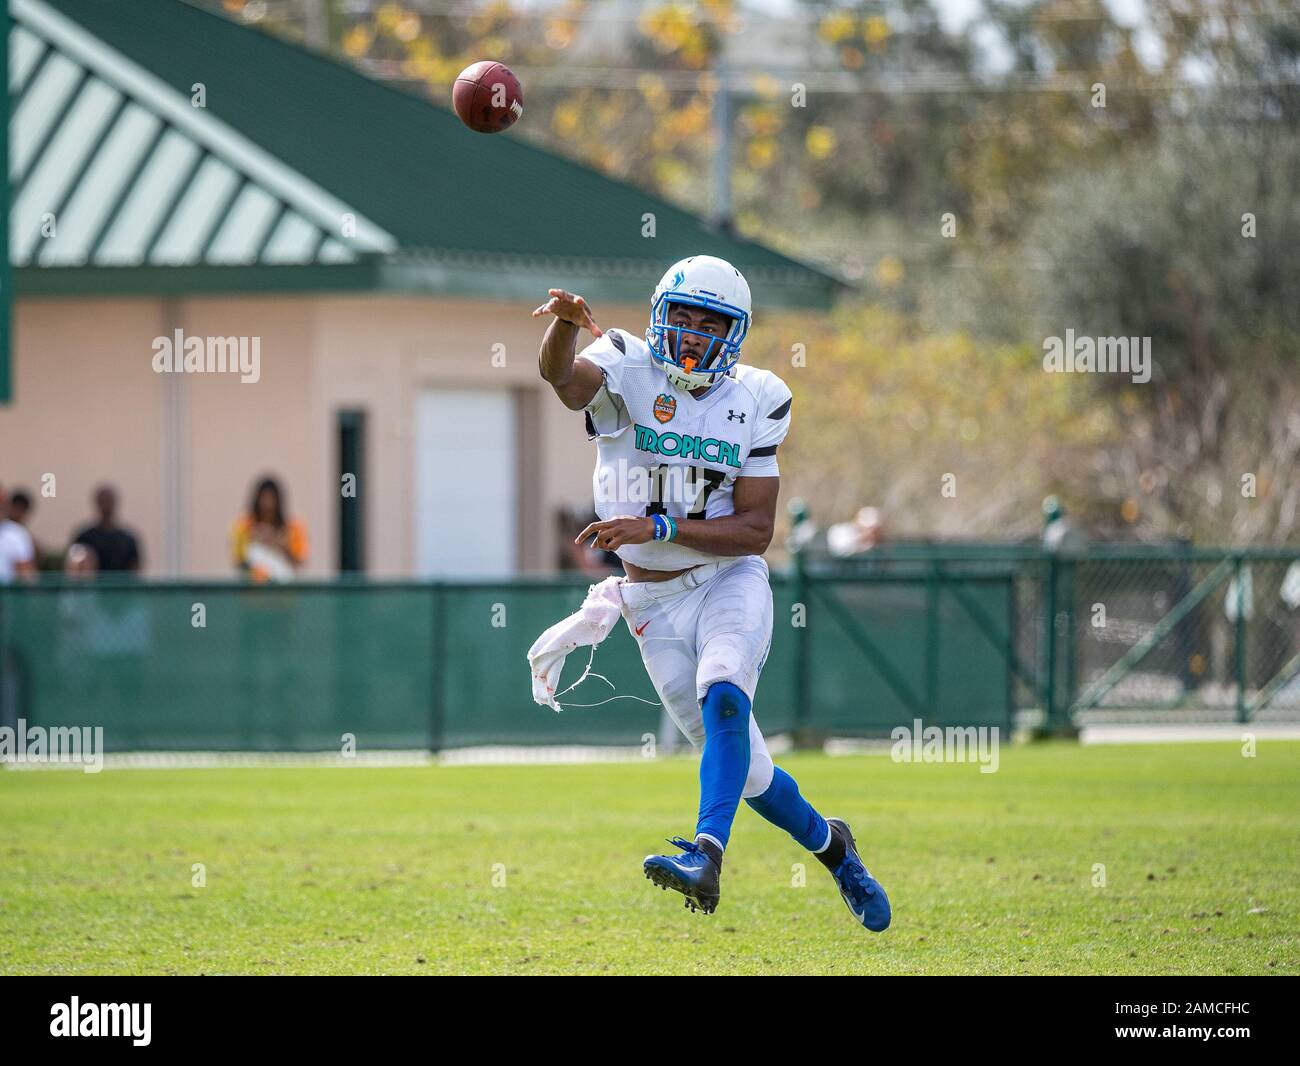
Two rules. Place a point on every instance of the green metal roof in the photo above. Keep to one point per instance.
(152, 194)
(111, 167)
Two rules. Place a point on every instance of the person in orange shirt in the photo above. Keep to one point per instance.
(266, 544)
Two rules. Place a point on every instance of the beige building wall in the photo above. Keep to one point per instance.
(185, 449)
(85, 408)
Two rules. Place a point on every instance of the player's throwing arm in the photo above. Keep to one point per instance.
(575, 381)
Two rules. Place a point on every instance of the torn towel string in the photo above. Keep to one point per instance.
(589, 625)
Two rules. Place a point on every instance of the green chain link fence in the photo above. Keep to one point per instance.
(962, 636)
(1195, 632)
(1128, 633)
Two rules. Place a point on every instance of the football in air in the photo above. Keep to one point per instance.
(488, 97)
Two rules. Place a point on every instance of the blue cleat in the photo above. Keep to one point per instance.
(863, 894)
(693, 874)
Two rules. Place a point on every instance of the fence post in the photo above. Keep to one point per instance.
(802, 666)
(1069, 572)
(1049, 645)
(437, 711)
(1185, 634)
(1239, 627)
(932, 588)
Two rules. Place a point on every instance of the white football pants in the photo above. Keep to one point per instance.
(713, 623)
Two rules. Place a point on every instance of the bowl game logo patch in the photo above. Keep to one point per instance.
(665, 407)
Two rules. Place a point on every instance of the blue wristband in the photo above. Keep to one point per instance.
(665, 527)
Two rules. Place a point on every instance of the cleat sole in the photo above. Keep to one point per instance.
(666, 880)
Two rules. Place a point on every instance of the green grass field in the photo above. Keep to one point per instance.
(392, 870)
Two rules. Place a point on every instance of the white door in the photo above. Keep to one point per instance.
(466, 487)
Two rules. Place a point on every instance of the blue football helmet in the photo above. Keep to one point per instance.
(700, 281)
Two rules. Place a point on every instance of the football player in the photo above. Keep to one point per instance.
(686, 486)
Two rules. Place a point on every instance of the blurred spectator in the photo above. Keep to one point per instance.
(116, 549)
(264, 542)
(1060, 535)
(1290, 590)
(80, 561)
(804, 535)
(17, 553)
(583, 557)
(865, 532)
(20, 510)
(20, 506)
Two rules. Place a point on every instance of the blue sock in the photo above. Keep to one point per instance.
(782, 805)
(725, 762)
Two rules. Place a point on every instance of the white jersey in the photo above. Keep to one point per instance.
(660, 449)
(15, 547)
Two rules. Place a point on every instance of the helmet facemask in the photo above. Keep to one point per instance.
(719, 353)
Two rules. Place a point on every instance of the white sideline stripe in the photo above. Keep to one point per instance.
(485, 755)
(1180, 734)
(504, 755)
(576, 754)
(208, 760)
(858, 746)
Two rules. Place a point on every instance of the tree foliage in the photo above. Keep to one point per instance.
(1095, 179)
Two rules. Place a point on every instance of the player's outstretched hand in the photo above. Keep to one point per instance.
(570, 307)
(615, 532)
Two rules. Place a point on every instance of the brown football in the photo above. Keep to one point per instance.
(487, 97)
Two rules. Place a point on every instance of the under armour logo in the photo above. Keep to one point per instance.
(733, 417)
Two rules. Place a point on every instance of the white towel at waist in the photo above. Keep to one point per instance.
(588, 625)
